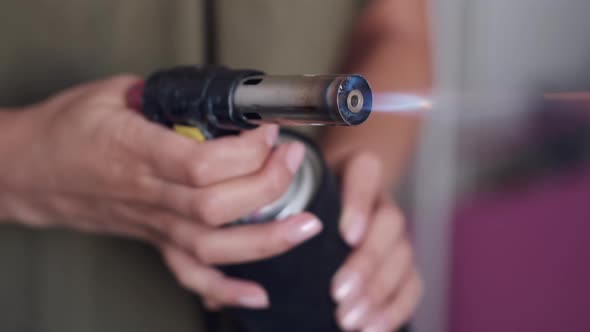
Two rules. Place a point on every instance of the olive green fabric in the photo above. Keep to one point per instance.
(285, 37)
(48, 45)
(64, 281)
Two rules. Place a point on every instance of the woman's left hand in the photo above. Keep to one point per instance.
(378, 288)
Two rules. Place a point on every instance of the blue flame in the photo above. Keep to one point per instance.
(400, 103)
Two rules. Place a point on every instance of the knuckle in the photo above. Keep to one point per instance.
(260, 150)
(237, 142)
(256, 149)
(161, 223)
(157, 222)
(202, 252)
(370, 254)
(376, 289)
(222, 294)
(165, 225)
(145, 187)
(183, 276)
(277, 179)
(128, 132)
(204, 209)
(367, 259)
(197, 172)
(213, 286)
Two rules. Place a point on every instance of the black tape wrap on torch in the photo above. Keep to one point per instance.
(198, 96)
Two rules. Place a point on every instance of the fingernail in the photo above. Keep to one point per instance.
(346, 284)
(272, 133)
(258, 301)
(353, 225)
(304, 230)
(352, 318)
(295, 154)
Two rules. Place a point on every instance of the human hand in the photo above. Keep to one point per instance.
(83, 160)
(378, 288)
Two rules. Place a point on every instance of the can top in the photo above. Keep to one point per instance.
(301, 191)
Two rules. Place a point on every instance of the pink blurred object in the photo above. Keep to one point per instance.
(521, 259)
(134, 96)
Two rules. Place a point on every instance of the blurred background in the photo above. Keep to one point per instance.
(501, 211)
(497, 195)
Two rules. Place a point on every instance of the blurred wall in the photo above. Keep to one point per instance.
(491, 57)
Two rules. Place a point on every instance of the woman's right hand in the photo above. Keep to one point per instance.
(83, 160)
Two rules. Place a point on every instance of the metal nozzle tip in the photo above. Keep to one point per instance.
(355, 101)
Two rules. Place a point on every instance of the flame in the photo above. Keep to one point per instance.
(389, 102)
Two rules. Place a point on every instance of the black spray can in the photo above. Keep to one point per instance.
(298, 282)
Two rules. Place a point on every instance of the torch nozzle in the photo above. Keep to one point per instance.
(304, 100)
(213, 97)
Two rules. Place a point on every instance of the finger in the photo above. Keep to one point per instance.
(184, 161)
(211, 283)
(386, 230)
(211, 305)
(400, 309)
(351, 317)
(390, 274)
(112, 91)
(246, 243)
(383, 285)
(236, 244)
(230, 200)
(361, 183)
